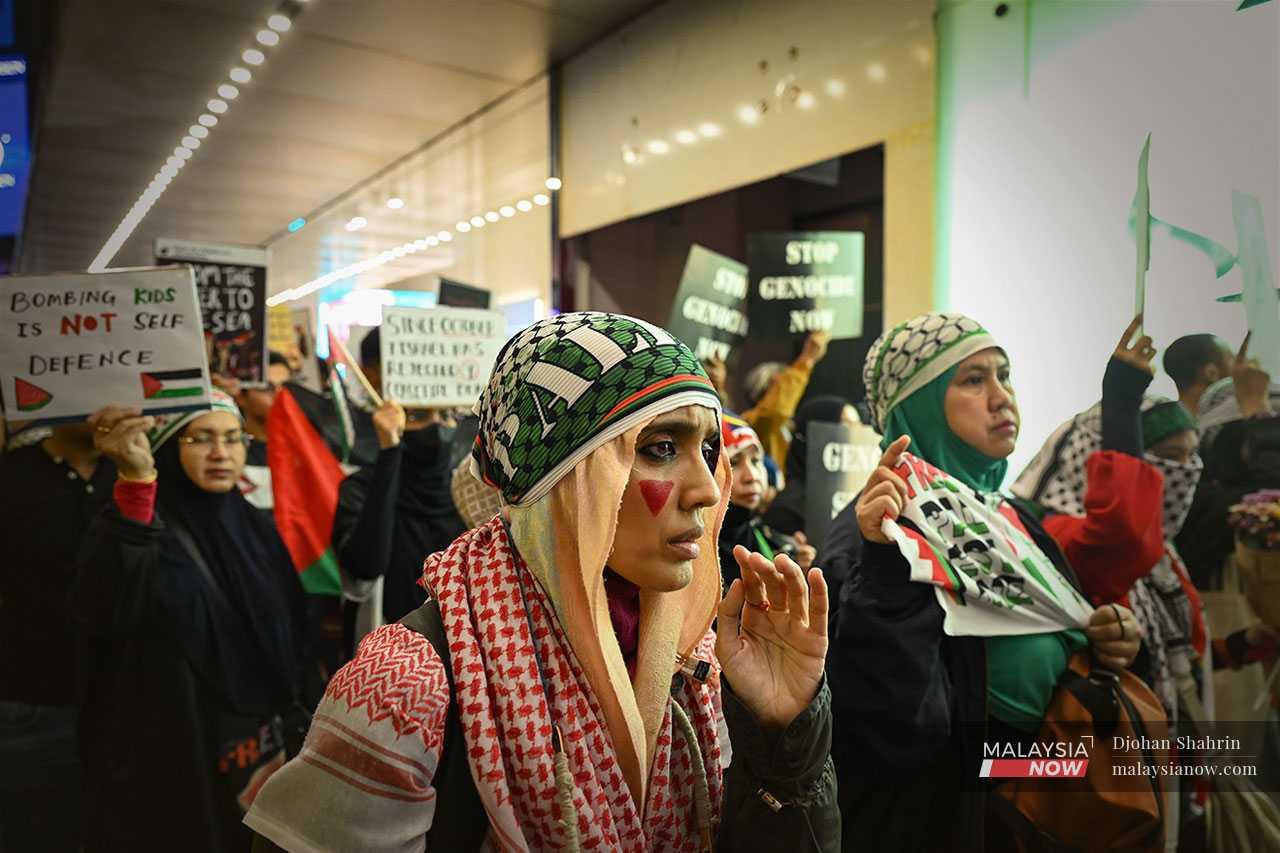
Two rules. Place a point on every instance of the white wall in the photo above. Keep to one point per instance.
(1034, 190)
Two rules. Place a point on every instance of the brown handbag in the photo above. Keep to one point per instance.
(1102, 810)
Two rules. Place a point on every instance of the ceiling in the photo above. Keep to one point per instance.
(352, 87)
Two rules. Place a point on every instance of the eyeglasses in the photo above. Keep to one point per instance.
(206, 440)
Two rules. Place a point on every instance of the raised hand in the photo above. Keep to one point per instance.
(121, 434)
(815, 347)
(388, 423)
(884, 495)
(1252, 384)
(1139, 353)
(771, 636)
(1114, 635)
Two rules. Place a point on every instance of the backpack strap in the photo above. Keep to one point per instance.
(1097, 693)
(461, 822)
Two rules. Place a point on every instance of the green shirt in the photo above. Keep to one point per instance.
(1023, 673)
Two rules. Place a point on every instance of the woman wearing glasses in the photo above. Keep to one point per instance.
(191, 626)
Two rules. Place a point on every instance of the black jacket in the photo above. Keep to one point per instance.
(909, 703)
(391, 516)
(1243, 458)
(180, 704)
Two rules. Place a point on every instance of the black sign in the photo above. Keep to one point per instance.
(459, 295)
(804, 282)
(232, 285)
(710, 311)
(840, 459)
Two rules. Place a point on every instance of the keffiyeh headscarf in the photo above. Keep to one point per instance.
(1056, 479)
(568, 385)
(738, 435)
(906, 376)
(167, 426)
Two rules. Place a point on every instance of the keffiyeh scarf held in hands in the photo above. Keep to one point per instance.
(957, 531)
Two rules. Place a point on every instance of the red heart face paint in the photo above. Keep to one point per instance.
(655, 493)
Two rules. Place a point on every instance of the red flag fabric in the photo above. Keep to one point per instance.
(305, 476)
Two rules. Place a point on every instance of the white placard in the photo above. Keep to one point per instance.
(439, 357)
(73, 343)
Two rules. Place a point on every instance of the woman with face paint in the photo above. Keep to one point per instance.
(743, 523)
(192, 633)
(561, 689)
(915, 704)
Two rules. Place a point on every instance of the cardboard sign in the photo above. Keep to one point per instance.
(71, 344)
(232, 282)
(804, 282)
(710, 311)
(306, 366)
(839, 460)
(459, 295)
(439, 357)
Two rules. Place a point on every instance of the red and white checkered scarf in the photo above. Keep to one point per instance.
(506, 723)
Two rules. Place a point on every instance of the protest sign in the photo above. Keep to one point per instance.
(1261, 304)
(805, 282)
(838, 461)
(710, 311)
(459, 295)
(989, 576)
(306, 365)
(280, 335)
(232, 283)
(71, 344)
(438, 356)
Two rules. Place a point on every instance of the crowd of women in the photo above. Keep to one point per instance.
(621, 637)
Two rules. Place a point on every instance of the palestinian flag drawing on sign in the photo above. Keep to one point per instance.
(165, 384)
(29, 397)
(989, 576)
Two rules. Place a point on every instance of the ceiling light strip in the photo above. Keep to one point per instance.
(463, 226)
(281, 21)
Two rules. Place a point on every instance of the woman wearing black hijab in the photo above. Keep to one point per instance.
(786, 514)
(394, 514)
(192, 633)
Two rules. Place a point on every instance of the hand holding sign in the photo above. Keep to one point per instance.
(1139, 353)
(120, 434)
(884, 495)
(388, 423)
(1251, 383)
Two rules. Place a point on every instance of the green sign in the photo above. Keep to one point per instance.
(710, 311)
(804, 282)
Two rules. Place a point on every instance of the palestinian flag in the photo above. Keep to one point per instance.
(305, 476)
(29, 397)
(165, 384)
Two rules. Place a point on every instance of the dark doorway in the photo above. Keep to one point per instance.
(634, 266)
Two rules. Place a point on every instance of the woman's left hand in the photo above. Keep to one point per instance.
(771, 636)
(1114, 635)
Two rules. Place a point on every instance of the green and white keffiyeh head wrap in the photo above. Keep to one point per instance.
(912, 354)
(167, 426)
(567, 385)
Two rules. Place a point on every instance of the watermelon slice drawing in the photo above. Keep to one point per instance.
(30, 397)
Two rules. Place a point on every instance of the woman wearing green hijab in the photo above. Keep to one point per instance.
(914, 703)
